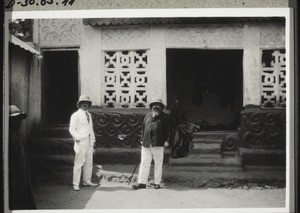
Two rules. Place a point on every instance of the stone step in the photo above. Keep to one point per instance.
(52, 146)
(208, 140)
(219, 179)
(54, 132)
(205, 156)
(264, 168)
(229, 153)
(55, 156)
(205, 168)
(206, 148)
(212, 135)
(197, 160)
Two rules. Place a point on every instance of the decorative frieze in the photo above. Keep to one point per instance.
(125, 37)
(262, 129)
(60, 32)
(118, 128)
(205, 36)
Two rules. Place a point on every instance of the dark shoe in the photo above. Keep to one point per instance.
(139, 186)
(156, 186)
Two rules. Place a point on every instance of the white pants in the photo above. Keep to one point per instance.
(83, 161)
(157, 153)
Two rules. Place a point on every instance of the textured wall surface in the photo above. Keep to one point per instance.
(59, 32)
(263, 129)
(250, 37)
(117, 127)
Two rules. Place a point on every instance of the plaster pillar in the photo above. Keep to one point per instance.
(90, 74)
(157, 87)
(252, 65)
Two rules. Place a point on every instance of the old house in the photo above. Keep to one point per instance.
(24, 71)
(228, 73)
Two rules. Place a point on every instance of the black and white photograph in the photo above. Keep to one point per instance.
(185, 110)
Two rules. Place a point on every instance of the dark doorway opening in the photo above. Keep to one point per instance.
(60, 86)
(208, 84)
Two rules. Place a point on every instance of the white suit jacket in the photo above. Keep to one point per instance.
(80, 128)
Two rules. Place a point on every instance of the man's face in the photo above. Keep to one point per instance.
(84, 105)
(156, 109)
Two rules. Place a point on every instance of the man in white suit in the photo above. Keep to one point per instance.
(81, 129)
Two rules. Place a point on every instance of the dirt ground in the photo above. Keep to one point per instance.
(112, 195)
(54, 191)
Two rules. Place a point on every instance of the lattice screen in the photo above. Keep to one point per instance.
(125, 78)
(273, 78)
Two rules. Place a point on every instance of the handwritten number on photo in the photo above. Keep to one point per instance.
(10, 4)
(25, 3)
(65, 2)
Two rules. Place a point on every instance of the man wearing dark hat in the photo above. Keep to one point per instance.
(20, 190)
(81, 129)
(155, 135)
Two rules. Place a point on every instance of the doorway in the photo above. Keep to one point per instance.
(208, 85)
(60, 86)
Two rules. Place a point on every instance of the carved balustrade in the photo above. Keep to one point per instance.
(117, 127)
(263, 128)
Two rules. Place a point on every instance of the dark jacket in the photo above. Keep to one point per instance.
(20, 189)
(155, 130)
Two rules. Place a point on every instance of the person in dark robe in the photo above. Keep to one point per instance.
(20, 190)
(182, 131)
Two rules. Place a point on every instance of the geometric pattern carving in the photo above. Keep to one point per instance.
(206, 35)
(229, 142)
(263, 128)
(117, 128)
(59, 31)
(124, 37)
(125, 79)
(273, 78)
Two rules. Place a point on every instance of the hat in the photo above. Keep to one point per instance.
(84, 98)
(15, 111)
(157, 101)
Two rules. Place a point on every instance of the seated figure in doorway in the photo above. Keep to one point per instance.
(181, 131)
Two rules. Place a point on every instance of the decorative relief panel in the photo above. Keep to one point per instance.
(273, 77)
(272, 35)
(117, 128)
(125, 37)
(263, 128)
(206, 36)
(59, 31)
(125, 79)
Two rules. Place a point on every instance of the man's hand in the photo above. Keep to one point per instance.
(166, 144)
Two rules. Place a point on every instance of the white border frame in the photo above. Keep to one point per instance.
(141, 13)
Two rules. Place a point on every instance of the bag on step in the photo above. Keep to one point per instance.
(183, 140)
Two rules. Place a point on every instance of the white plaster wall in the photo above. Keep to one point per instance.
(157, 38)
(251, 64)
(157, 72)
(90, 77)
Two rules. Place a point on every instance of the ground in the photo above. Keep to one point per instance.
(53, 190)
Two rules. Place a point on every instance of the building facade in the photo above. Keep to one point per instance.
(227, 73)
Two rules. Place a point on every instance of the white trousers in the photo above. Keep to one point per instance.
(147, 154)
(83, 161)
